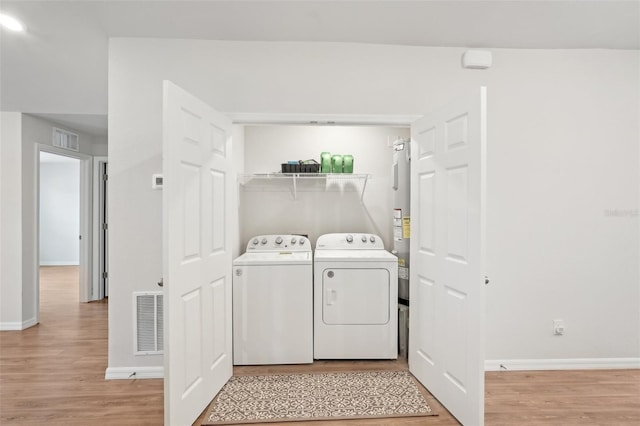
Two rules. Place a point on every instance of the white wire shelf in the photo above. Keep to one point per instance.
(304, 182)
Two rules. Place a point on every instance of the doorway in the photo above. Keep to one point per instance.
(63, 217)
(452, 139)
(59, 224)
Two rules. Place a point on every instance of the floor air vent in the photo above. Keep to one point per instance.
(149, 323)
(65, 140)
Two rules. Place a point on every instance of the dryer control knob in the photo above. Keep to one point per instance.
(302, 240)
(255, 241)
(279, 240)
(364, 238)
(349, 238)
(372, 239)
(264, 241)
(293, 240)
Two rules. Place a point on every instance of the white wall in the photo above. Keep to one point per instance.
(21, 175)
(99, 146)
(238, 138)
(563, 149)
(316, 212)
(10, 222)
(59, 212)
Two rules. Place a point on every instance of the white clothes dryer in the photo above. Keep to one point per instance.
(355, 298)
(273, 301)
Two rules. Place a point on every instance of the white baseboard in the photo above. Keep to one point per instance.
(17, 326)
(123, 373)
(59, 263)
(29, 323)
(10, 326)
(561, 364)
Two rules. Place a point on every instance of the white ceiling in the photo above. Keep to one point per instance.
(93, 124)
(59, 66)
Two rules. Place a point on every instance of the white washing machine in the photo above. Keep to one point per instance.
(273, 301)
(355, 298)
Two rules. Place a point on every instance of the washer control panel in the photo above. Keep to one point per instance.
(349, 241)
(279, 243)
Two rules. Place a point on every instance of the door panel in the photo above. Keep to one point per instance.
(447, 248)
(197, 255)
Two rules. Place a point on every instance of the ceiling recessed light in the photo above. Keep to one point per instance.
(10, 23)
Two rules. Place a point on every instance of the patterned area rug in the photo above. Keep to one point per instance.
(324, 396)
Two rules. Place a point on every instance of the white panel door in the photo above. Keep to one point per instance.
(196, 207)
(447, 251)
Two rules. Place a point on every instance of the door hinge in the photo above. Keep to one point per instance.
(105, 226)
(105, 177)
(105, 275)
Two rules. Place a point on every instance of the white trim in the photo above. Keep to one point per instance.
(29, 323)
(97, 292)
(562, 364)
(123, 373)
(323, 119)
(86, 212)
(10, 326)
(59, 263)
(18, 326)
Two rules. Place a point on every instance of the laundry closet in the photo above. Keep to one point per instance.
(346, 307)
(223, 192)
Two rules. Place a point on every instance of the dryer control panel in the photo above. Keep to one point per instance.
(278, 243)
(349, 241)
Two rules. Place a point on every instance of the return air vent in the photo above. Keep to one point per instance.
(65, 140)
(149, 323)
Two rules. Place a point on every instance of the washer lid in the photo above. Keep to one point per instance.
(355, 255)
(283, 257)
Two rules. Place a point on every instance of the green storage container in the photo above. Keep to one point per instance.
(336, 164)
(325, 162)
(347, 164)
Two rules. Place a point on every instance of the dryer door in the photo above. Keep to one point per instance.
(355, 296)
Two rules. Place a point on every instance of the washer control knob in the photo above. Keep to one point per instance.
(302, 240)
(372, 239)
(293, 240)
(279, 240)
(349, 238)
(255, 241)
(364, 238)
(264, 241)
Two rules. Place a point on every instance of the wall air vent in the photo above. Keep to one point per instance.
(149, 323)
(65, 140)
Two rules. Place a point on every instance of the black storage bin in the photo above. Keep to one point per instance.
(300, 168)
(310, 168)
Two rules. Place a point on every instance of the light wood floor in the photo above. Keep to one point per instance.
(53, 374)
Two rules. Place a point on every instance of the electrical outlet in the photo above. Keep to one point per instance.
(558, 327)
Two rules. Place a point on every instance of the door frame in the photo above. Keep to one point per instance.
(98, 247)
(86, 167)
(253, 119)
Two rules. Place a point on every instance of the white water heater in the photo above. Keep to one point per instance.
(401, 213)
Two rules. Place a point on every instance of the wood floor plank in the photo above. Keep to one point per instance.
(53, 374)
